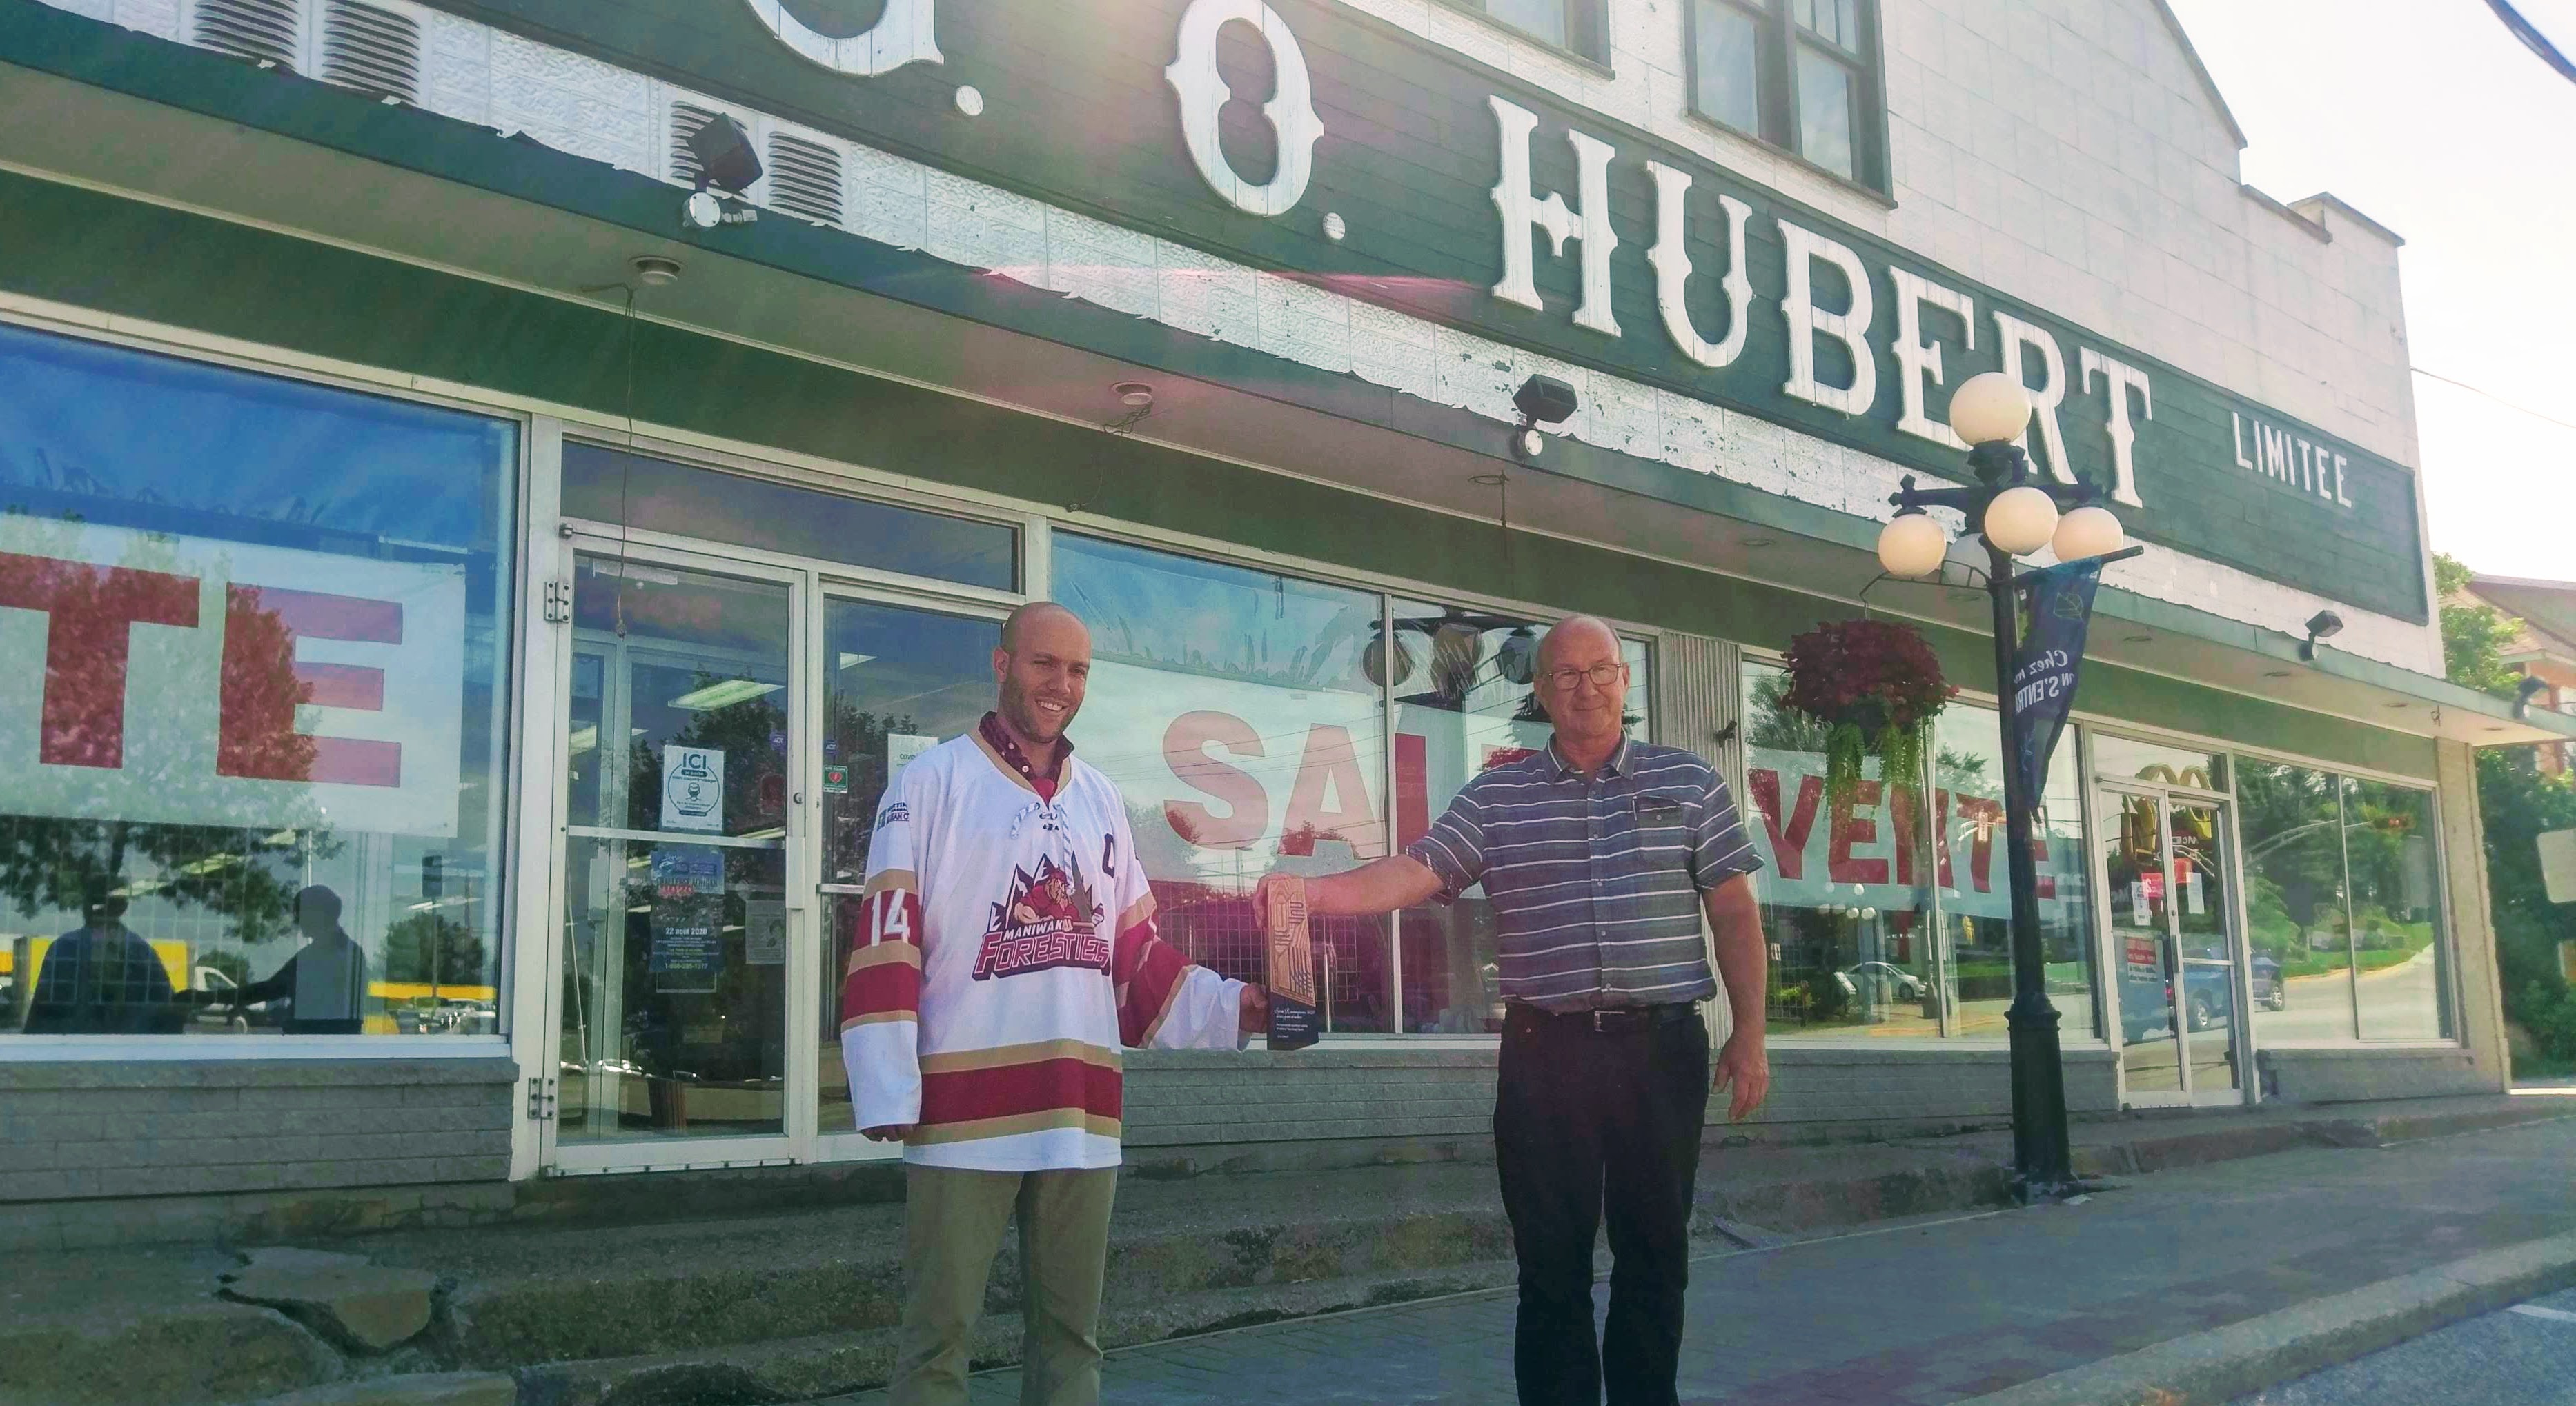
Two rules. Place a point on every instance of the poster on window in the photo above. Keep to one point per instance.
(195, 681)
(1866, 852)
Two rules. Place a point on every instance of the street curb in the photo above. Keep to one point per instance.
(2218, 1366)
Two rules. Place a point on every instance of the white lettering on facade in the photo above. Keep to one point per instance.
(901, 35)
(2045, 397)
(1673, 270)
(1806, 322)
(1202, 92)
(2124, 435)
(1521, 211)
(2287, 456)
(1918, 362)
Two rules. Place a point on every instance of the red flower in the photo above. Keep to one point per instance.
(1872, 673)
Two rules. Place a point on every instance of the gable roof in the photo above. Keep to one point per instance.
(2208, 85)
(2547, 607)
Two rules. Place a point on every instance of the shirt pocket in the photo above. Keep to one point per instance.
(1659, 826)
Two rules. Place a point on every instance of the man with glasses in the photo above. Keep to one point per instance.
(1599, 855)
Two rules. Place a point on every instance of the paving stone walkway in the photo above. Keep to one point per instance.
(1943, 1310)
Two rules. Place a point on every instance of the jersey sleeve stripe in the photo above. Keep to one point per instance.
(904, 953)
(884, 879)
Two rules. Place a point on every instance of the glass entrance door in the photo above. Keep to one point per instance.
(680, 818)
(2173, 946)
(897, 680)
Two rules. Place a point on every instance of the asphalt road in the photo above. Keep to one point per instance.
(2397, 1003)
(2522, 1356)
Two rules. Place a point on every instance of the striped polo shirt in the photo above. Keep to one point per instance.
(1595, 881)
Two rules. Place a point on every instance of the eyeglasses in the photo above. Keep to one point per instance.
(1602, 676)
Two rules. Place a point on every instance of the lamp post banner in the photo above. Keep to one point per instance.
(2044, 672)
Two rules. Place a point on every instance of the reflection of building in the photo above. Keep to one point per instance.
(2544, 648)
(516, 562)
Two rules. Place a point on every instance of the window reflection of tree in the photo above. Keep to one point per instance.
(49, 862)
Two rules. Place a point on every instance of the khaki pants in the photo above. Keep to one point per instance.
(952, 1227)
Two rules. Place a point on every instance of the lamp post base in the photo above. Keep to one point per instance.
(2042, 1163)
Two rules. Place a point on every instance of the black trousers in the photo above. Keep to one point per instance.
(1587, 1121)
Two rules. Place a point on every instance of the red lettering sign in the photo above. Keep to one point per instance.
(1789, 843)
(263, 682)
(91, 611)
(1185, 745)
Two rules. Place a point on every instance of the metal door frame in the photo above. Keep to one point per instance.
(555, 1158)
(2112, 963)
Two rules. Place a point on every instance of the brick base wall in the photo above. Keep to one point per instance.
(2364, 1075)
(184, 1149)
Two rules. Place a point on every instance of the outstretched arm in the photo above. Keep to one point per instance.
(1382, 886)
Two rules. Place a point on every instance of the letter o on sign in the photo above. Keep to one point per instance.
(902, 35)
(1202, 92)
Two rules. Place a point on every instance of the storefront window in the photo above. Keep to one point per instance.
(613, 486)
(1974, 874)
(1846, 886)
(2343, 897)
(2295, 918)
(2128, 759)
(262, 787)
(1238, 712)
(2399, 985)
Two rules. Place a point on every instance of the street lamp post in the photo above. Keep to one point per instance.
(2014, 513)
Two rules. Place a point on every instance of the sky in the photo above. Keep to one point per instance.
(2429, 117)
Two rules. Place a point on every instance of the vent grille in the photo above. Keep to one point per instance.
(252, 29)
(372, 50)
(804, 178)
(686, 119)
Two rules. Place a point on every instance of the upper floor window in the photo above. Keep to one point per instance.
(1572, 25)
(1800, 74)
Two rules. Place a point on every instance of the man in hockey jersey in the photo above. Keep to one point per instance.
(1005, 952)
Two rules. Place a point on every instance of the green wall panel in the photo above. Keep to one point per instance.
(1082, 117)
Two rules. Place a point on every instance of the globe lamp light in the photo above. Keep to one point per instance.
(2088, 532)
(1912, 545)
(2021, 519)
(1989, 408)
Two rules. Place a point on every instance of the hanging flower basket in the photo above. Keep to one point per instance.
(1876, 687)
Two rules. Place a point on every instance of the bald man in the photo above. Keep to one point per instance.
(1005, 953)
(1600, 855)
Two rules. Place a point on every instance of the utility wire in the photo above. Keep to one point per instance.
(2533, 39)
(2491, 395)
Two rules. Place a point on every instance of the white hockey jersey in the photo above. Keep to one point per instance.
(1004, 952)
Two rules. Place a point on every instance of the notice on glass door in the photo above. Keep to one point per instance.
(693, 789)
(902, 747)
(764, 932)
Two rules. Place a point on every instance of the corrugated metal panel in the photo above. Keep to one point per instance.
(1696, 697)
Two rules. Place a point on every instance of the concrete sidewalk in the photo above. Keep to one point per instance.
(2152, 1273)
(611, 1304)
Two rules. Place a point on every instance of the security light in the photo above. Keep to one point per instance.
(725, 156)
(2324, 625)
(1545, 400)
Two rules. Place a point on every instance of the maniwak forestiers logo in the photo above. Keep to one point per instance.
(1049, 920)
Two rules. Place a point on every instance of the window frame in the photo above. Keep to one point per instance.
(1781, 40)
(1587, 29)
(516, 769)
